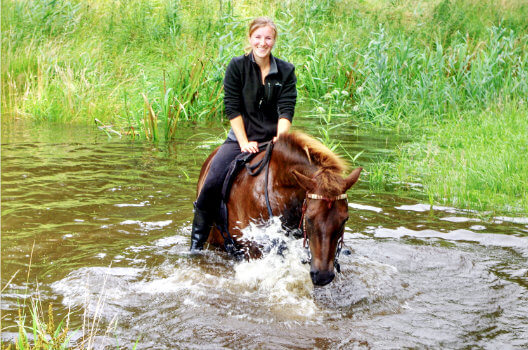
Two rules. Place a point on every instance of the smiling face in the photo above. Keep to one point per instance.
(262, 41)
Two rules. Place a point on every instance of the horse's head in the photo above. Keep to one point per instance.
(325, 212)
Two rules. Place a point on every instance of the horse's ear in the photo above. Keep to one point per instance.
(352, 178)
(304, 181)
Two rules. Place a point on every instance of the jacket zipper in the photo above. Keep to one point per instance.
(260, 82)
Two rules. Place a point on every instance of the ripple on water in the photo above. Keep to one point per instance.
(498, 240)
(430, 293)
(362, 281)
(278, 282)
(440, 285)
(146, 225)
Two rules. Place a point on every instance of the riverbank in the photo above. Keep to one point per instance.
(444, 72)
(476, 160)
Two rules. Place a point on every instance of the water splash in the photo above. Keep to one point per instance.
(280, 274)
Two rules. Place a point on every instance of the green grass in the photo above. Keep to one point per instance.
(477, 160)
(38, 331)
(143, 68)
(73, 60)
(41, 334)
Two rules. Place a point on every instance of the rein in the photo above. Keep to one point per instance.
(255, 169)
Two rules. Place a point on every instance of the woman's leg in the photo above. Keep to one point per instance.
(208, 202)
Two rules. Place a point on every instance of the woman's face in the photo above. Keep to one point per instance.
(262, 41)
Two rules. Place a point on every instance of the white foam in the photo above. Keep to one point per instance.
(426, 207)
(142, 204)
(170, 241)
(519, 220)
(459, 219)
(191, 280)
(282, 278)
(364, 207)
(147, 225)
(85, 285)
(487, 239)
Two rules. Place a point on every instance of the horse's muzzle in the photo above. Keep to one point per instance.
(322, 278)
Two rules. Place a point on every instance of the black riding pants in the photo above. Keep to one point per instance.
(210, 196)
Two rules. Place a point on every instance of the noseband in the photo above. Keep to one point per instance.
(330, 202)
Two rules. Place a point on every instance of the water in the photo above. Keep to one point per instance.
(105, 224)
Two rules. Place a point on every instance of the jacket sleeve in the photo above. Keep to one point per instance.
(288, 97)
(232, 90)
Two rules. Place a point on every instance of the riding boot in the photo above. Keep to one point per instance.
(201, 228)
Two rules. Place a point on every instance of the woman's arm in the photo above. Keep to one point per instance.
(286, 104)
(288, 97)
(232, 97)
(282, 128)
(232, 90)
(237, 124)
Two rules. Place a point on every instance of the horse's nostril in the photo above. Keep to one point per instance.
(322, 278)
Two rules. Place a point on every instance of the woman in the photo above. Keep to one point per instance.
(260, 96)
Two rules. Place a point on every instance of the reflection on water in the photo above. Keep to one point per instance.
(108, 221)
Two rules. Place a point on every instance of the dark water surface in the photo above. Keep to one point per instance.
(108, 221)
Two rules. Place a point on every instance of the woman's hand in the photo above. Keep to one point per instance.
(237, 124)
(250, 147)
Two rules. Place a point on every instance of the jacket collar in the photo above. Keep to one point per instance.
(273, 63)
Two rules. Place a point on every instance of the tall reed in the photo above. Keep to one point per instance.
(72, 61)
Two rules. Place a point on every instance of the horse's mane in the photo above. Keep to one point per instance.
(301, 148)
(297, 149)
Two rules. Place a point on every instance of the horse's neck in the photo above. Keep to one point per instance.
(289, 193)
(290, 206)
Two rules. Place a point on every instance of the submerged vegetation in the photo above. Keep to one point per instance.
(42, 334)
(34, 330)
(452, 74)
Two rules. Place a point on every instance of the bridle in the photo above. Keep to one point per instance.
(302, 223)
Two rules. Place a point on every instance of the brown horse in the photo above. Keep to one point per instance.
(306, 188)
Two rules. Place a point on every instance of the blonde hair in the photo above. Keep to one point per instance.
(260, 22)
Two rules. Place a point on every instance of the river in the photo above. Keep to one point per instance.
(104, 224)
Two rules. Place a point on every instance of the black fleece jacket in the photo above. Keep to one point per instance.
(261, 105)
